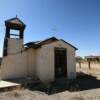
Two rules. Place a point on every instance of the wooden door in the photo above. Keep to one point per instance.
(60, 62)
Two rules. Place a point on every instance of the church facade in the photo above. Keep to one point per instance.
(47, 59)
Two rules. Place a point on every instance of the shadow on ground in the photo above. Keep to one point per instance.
(83, 82)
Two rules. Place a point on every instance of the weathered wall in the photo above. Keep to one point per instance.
(31, 62)
(44, 64)
(18, 63)
(14, 46)
(38, 62)
(13, 66)
(45, 61)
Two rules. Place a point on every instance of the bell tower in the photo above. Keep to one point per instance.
(14, 33)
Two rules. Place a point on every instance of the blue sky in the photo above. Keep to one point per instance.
(76, 21)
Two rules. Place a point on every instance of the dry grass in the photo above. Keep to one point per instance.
(95, 68)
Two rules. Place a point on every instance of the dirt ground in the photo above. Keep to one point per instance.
(37, 95)
(85, 87)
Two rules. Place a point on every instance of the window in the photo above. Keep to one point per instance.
(14, 33)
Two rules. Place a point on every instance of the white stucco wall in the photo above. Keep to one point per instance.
(44, 64)
(31, 62)
(39, 62)
(12, 68)
(18, 63)
(14, 46)
(45, 61)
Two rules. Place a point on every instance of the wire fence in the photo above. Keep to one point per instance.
(94, 70)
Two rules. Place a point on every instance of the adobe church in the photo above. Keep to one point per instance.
(48, 59)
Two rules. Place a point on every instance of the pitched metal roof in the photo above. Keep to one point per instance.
(38, 44)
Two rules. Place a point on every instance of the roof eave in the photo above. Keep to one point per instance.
(8, 21)
(69, 44)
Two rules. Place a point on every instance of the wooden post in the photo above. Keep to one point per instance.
(89, 64)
